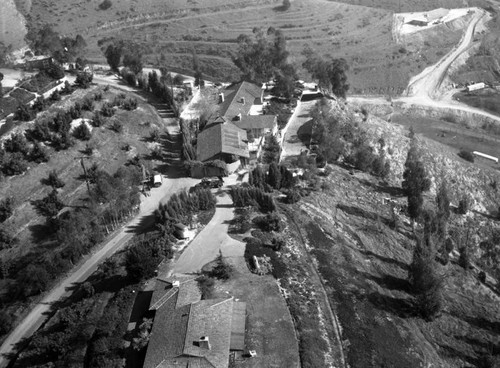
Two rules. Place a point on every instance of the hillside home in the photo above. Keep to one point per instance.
(258, 126)
(241, 99)
(190, 332)
(222, 140)
(39, 62)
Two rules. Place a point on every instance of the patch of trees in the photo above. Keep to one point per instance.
(182, 207)
(339, 138)
(252, 196)
(277, 177)
(48, 41)
(264, 56)
(272, 149)
(330, 74)
(145, 254)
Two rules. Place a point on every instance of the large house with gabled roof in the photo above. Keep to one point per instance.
(190, 332)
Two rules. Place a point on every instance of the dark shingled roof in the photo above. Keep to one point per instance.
(179, 325)
(186, 362)
(221, 138)
(256, 122)
(232, 104)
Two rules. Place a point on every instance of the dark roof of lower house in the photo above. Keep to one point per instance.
(177, 331)
(221, 138)
(248, 122)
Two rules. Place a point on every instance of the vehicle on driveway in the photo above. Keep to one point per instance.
(209, 183)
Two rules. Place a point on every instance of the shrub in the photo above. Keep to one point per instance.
(23, 113)
(98, 120)
(55, 96)
(6, 208)
(82, 132)
(270, 222)
(17, 143)
(39, 154)
(53, 180)
(293, 196)
(466, 155)
(463, 205)
(83, 80)
(105, 5)
(206, 285)
(14, 164)
(40, 131)
(222, 270)
(107, 110)
(117, 126)
(87, 104)
(129, 104)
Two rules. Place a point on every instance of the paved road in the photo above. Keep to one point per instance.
(213, 238)
(39, 314)
(292, 145)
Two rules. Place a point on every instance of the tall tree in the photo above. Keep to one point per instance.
(261, 56)
(415, 181)
(113, 55)
(330, 75)
(133, 61)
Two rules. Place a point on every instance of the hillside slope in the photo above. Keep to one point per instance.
(167, 33)
(364, 260)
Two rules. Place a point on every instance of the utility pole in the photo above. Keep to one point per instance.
(81, 158)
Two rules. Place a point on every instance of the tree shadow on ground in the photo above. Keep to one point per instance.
(403, 308)
(145, 225)
(390, 282)
(483, 323)
(305, 131)
(392, 261)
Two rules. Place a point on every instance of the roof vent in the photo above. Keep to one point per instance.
(204, 343)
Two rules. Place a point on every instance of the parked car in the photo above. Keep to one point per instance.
(208, 183)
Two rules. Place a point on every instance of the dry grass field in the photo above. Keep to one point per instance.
(168, 32)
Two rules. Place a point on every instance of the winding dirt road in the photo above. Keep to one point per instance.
(426, 89)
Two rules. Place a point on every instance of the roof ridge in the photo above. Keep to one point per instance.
(222, 301)
(164, 298)
(189, 322)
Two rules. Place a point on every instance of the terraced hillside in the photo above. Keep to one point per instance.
(168, 32)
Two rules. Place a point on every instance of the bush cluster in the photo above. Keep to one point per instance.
(181, 208)
(252, 196)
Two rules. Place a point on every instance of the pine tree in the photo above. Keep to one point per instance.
(274, 176)
(415, 181)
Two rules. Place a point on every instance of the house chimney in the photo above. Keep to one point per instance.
(221, 97)
(243, 100)
(204, 343)
(237, 117)
(176, 283)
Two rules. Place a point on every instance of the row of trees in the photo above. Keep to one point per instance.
(277, 177)
(251, 196)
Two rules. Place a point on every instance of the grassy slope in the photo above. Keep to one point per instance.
(365, 262)
(108, 155)
(360, 34)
